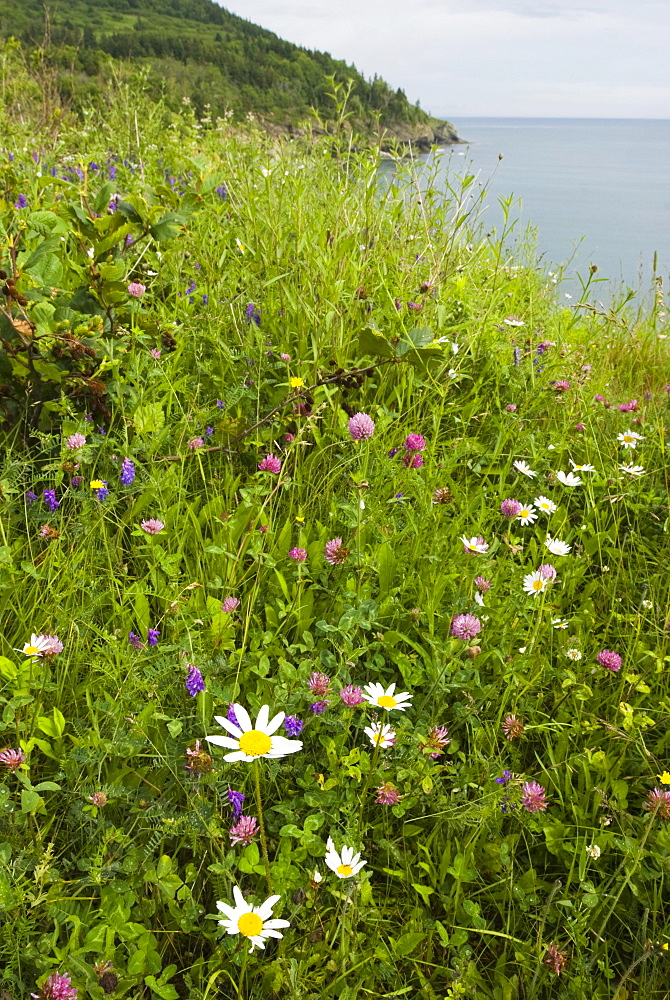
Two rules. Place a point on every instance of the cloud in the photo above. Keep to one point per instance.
(587, 58)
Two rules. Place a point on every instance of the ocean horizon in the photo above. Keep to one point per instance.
(597, 190)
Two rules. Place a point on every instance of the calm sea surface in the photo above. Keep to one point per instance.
(605, 180)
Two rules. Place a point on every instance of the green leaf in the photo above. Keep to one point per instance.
(54, 727)
(113, 272)
(408, 942)
(30, 800)
(42, 222)
(47, 786)
(149, 418)
(424, 891)
(41, 250)
(164, 866)
(167, 228)
(8, 669)
(371, 341)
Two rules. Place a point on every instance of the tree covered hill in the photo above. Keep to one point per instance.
(196, 49)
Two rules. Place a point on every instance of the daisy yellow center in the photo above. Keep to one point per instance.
(538, 584)
(255, 743)
(627, 437)
(379, 737)
(31, 651)
(250, 924)
(386, 701)
(345, 870)
(524, 513)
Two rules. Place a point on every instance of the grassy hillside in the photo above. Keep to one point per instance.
(198, 50)
(272, 434)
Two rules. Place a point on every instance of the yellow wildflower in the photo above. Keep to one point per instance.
(664, 778)
(296, 382)
(97, 484)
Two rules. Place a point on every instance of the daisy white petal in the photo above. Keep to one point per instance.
(524, 469)
(230, 726)
(568, 479)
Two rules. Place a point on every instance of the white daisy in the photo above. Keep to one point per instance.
(376, 695)
(582, 468)
(524, 469)
(632, 470)
(535, 583)
(556, 547)
(36, 647)
(545, 504)
(568, 479)
(527, 514)
(560, 622)
(346, 864)
(475, 544)
(249, 742)
(254, 922)
(380, 736)
(573, 654)
(648, 605)
(629, 439)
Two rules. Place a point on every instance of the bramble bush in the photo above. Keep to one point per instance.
(278, 435)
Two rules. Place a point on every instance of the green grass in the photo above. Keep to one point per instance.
(464, 890)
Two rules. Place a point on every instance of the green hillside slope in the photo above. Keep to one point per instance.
(197, 50)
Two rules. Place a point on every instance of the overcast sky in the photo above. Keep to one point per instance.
(596, 59)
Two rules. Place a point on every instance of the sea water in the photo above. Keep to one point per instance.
(596, 190)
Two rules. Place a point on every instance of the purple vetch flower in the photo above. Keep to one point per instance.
(415, 442)
(209, 431)
(252, 314)
(270, 464)
(135, 641)
(361, 426)
(194, 680)
(56, 987)
(50, 500)
(136, 289)
(533, 797)
(352, 695)
(76, 441)
(318, 683)
(222, 191)
(544, 346)
(230, 604)
(319, 707)
(298, 555)
(293, 725)
(611, 661)
(335, 552)
(393, 452)
(547, 571)
(236, 799)
(231, 717)
(21, 201)
(220, 405)
(12, 759)
(510, 508)
(465, 627)
(153, 635)
(504, 778)
(31, 498)
(244, 831)
(127, 472)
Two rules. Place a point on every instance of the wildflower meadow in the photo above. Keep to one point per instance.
(334, 592)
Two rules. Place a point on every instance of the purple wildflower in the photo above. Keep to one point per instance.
(31, 498)
(415, 442)
(153, 636)
(230, 604)
(12, 759)
(298, 555)
(244, 831)
(136, 289)
(270, 464)
(319, 684)
(611, 661)
(393, 452)
(510, 508)
(53, 646)
(50, 500)
(220, 405)
(21, 202)
(335, 552)
(481, 583)
(76, 441)
(561, 385)
(387, 794)
(236, 799)
(412, 460)
(127, 472)
(658, 801)
(135, 641)
(152, 526)
(56, 987)
(194, 680)
(195, 443)
(351, 695)
(231, 717)
(547, 571)
(252, 314)
(361, 426)
(511, 407)
(505, 777)
(465, 627)
(534, 797)
(293, 725)
(319, 707)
